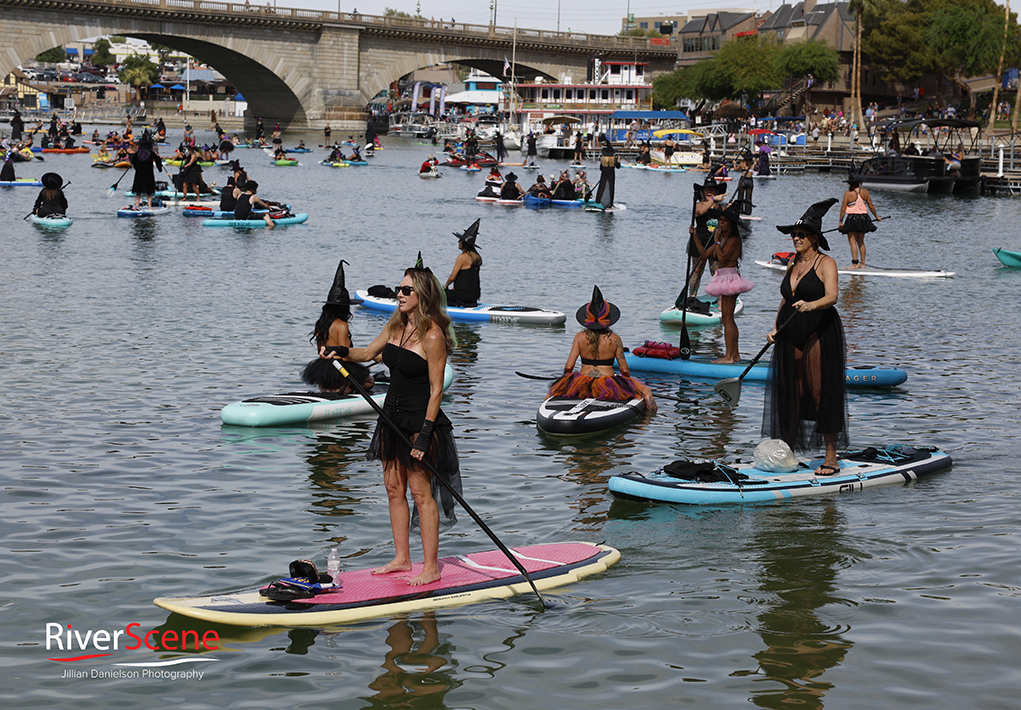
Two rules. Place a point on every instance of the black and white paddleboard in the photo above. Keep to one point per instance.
(560, 415)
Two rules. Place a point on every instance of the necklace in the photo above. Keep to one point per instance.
(406, 336)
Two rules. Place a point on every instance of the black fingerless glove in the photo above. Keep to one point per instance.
(341, 350)
(424, 436)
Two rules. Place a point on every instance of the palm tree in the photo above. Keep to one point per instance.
(858, 7)
(999, 68)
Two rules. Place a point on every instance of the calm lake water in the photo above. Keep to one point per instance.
(122, 339)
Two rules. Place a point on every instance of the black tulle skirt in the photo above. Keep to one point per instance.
(857, 224)
(387, 446)
(322, 374)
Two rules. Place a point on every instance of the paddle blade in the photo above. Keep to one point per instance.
(729, 390)
(685, 344)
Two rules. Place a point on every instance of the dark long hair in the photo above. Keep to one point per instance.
(331, 312)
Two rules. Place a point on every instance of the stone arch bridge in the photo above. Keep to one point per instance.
(304, 68)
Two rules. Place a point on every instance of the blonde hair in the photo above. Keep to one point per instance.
(431, 309)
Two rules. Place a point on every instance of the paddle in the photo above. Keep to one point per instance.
(339, 364)
(730, 388)
(685, 342)
(113, 188)
(662, 396)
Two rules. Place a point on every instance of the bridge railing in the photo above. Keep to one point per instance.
(411, 23)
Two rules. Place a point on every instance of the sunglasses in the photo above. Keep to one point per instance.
(799, 235)
(404, 290)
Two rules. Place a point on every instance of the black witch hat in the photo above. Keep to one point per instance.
(811, 221)
(469, 235)
(52, 181)
(731, 212)
(339, 295)
(597, 314)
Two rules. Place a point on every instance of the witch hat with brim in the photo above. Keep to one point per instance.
(469, 235)
(597, 314)
(339, 295)
(731, 213)
(52, 181)
(811, 221)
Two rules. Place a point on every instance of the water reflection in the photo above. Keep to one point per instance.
(418, 668)
(800, 550)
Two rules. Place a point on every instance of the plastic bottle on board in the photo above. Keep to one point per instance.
(333, 565)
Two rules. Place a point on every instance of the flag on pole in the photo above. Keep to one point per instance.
(506, 66)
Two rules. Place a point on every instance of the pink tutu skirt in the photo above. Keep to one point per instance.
(728, 281)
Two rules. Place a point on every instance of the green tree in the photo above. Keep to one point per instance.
(965, 43)
(811, 57)
(391, 12)
(138, 70)
(859, 8)
(57, 54)
(748, 65)
(894, 39)
(101, 56)
(117, 39)
(667, 89)
(640, 32)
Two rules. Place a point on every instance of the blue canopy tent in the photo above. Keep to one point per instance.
(177, 87)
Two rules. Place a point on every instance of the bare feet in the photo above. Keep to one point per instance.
(726, 361)
(426, 577)
(395, 566)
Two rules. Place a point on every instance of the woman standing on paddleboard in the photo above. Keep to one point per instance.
(144, 158)
(465, 276)
(805, 403)
(708, 196)
(854, 218)
(727, 282)
(330, 333)
(415, 344)
(599, 347)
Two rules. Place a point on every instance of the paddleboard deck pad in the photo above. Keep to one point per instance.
(467, 579)
(484, 312)
(560, 415)
(858, 376)
(744, 483)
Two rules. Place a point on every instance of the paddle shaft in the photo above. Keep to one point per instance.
(685, 340)
(114, 186)
(766, 346)
(457, 496)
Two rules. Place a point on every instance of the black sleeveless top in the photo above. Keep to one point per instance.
(467, 281)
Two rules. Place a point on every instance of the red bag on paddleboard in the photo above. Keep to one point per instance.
(664, 351)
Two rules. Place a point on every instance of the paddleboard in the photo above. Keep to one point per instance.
(577, 166)
(213, 213)
(132, 211)
(673, 314)
(21, 182)
(429, 174)
(297, 150)
(484, 312)
(1007, 258)
(470, 169)
(872, 271)
(859, 376)
(858, 471)
(563, 416)
(254, 223)
(765, 177)
(636, 166)
(596, 207)
(511, 203)
(533, 201)
(301, 407)
(486, 198)
(285, 162)
(658, 169)
(467, 579)
(531, 167)
(53, 221)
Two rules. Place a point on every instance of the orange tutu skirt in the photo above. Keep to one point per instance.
(616, 388)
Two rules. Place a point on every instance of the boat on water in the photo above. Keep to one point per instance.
(417, 124)
(937, 168)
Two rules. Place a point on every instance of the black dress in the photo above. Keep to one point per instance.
(144, 162)
(790, 412)
(405, 405)
(466, 289)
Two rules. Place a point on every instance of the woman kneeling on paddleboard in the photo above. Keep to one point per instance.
(465, 276)
(331, 331)
(51, 198)
(415, 344)
(598, 347)
(806, 403)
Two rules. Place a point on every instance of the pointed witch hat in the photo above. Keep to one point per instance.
(597, 314)
(339, 295)
(469, 235)
(811, 221)
(418, 262)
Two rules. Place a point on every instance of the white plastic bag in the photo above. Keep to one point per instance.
(776, 456)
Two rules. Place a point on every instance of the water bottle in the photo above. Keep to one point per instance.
(333, 565)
